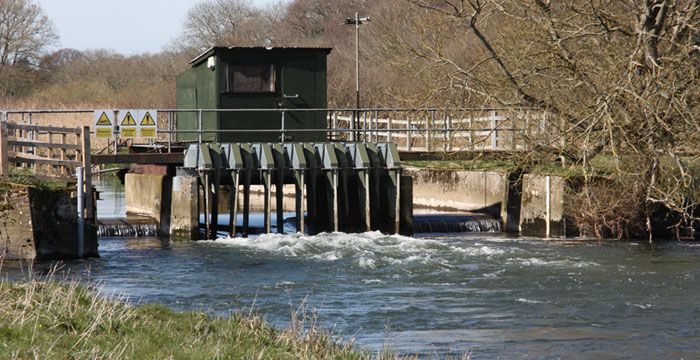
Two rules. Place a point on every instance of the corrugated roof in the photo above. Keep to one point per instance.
(218, 48)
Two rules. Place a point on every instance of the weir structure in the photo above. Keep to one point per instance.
(339, 186)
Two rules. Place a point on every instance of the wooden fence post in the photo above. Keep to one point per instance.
(4, 166)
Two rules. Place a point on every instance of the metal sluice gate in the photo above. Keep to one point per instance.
(340, 186)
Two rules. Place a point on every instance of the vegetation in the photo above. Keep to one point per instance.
(64, 320)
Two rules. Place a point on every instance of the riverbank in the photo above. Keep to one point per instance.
(61, 320)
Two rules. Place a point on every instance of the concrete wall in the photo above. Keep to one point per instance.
(184, 219)
(144, 195)
(536, 218)
(460, 190)
(41, 224)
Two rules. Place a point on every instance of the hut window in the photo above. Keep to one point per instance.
(250, 78)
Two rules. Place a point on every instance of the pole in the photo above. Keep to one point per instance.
(357, 68)
(81, 212)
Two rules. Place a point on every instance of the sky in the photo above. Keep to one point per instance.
(125, 26)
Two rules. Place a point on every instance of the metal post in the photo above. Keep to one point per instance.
(388, 127)
(268, 200)
(81, 212)
(376, 125)
(283, 130)
(233, 214)
(352, 126)
(494, 133)
(335, 200)
(397, 211)
(357, 64)
(429, 143)
(200, 126)
(449, 132)
(548, 209)
(444, 134)
(335, 125)
(367, 207)
(364, 126)
(170, 128)
(303, 204)
(115, 130)
(408, 133)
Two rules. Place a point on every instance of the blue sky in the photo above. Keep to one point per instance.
(125, 26)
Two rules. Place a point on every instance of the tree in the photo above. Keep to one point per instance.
(221, 23)
(619, 75)
(25, 33)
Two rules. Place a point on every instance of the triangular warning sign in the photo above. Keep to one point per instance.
(148, 120)
(128, 120)
(103, 120)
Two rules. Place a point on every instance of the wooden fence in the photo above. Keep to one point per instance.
(47, 153)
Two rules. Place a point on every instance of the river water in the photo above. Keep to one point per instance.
(487, 295)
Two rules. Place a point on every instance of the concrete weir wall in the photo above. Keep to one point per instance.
(542, 208)
(184, 218)
(149, 195)
(461, 190)
(38, 224)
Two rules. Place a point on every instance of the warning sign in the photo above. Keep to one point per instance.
(148, 123)
(128, 129)
(103, 133)
(128, 120)
(104, 120)
(148, 119)
(147, 132)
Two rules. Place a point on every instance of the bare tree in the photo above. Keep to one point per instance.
(222, 22)
(25, 33)
(619, 75)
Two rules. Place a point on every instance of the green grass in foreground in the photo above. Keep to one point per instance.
(53, 320)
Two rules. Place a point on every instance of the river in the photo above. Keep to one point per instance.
(486, 295)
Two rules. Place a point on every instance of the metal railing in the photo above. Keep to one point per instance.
(412, 129)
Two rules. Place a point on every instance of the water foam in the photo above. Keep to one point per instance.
(368, 250)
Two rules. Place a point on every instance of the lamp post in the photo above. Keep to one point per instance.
(357, 21)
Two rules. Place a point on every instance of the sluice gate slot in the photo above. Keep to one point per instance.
(449, 223)
(129, 227)
(348, 187)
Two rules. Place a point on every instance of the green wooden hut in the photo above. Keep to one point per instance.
(254, 78)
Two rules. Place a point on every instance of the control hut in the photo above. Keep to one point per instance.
(254, 78)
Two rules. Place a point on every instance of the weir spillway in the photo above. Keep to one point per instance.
(339, 186)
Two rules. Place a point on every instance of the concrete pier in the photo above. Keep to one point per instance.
(184, 213)
(542, 208)
(38, 224)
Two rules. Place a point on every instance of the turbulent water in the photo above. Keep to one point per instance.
(432, 295)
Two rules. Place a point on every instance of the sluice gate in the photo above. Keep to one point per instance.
(339, 186)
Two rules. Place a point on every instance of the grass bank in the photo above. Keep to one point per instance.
(65, 320)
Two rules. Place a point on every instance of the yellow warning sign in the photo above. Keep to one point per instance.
(148, 132)
(148, 120)
(127, 132)
(103, 132)
(128, 120)
(103, 120)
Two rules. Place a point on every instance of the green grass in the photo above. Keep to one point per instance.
(64, 320)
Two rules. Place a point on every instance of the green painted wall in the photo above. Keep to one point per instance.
(301, 72)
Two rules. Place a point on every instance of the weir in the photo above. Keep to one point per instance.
(339, 186)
